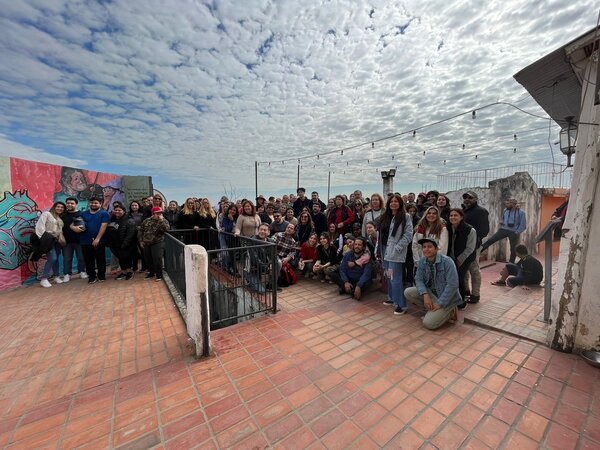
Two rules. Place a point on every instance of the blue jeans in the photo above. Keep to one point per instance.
(68, 251)
(395, 283)
(51, 267)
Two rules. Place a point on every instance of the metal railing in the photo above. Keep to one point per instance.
(544, 174)
(242, 274)
(175, 263)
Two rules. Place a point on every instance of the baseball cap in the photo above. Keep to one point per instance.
(157, 209)
(470, 194)
(427, 239)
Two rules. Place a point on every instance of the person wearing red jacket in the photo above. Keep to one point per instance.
(341, 215)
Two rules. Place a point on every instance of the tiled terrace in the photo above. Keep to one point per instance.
(107, 367)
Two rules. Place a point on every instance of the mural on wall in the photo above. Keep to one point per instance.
(18, 214)
(30, 187)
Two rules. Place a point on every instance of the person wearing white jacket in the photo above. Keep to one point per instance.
(50, 222)
(430, 226)
(394, 238)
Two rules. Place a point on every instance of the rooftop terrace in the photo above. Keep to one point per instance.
(109, 367)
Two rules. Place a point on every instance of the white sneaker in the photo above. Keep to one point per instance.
(83, 275)
(58, 280)
(66, 278)
(45, 283)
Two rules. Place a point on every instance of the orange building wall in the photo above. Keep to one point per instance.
(549, 204)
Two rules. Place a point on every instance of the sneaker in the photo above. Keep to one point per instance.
(129, 276)
(149, 275)
(398, 311)
(58, 280)
(121, 276)
(45, 283)
(388, 302)
(92, 280)
(463, 305)
(83, 276)
(159, 278)
(101, 280)
(66, 278)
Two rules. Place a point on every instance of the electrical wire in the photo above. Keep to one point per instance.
(402, 133)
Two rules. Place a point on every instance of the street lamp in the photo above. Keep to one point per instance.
(568, 136)
(388, 180)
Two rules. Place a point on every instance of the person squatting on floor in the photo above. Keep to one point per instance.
(436, 287)
(527, 272)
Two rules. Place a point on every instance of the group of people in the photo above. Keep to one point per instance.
(132, 235)
(420, 247)
(423, 250)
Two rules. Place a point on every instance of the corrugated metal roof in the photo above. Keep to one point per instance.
(553, 84)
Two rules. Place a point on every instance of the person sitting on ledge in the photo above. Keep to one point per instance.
(527, 272)
(436, 286)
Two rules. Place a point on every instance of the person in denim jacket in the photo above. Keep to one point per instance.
(436, 286)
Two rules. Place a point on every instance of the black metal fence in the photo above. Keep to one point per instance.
(242, 274)
(175, 262)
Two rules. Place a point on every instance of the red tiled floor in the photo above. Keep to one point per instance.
(324, 373)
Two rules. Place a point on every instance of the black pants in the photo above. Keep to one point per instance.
(154, 258)
(513, 239)
(95, 258)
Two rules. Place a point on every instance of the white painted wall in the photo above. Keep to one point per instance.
(575, 309)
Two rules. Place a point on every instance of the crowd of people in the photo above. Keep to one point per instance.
(419, 247)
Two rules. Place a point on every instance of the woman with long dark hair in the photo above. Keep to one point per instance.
(462, 240)
(49, 228)
(395, 236)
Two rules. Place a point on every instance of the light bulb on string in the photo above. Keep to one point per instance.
(514, 150)
(414, 133)
(317, 157)
(418, 165)
(444, 162)
(372, 144)
(342, 152)
(392, 157)
(269, 164)
(515, 136)
(473, 114)
(423, 152)
(476, 156)
(463, 146)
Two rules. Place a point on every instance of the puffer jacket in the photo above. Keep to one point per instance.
(121, 233)
(397, 246)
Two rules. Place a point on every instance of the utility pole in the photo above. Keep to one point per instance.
(256, 178)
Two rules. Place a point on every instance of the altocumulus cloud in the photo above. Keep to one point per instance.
(194, 92)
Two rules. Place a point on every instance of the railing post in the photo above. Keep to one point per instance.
(274, 276)
(198, 313)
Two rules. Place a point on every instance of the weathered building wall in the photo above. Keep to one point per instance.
(576, 297)
(520, 186)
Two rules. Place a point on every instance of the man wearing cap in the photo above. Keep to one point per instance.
(478, 217)
(513, 224)
(151, 235)
(436, 287)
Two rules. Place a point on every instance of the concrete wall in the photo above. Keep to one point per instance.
(196, 283)
(520, 186)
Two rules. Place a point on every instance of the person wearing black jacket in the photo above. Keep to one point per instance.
(478, 217)
(121, 238)
(462, 239)
(301, 202)
(319, 218)
(327, 258)
(171, 213)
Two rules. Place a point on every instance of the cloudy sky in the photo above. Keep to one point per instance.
(194, 92)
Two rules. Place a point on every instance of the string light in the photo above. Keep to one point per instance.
(476, 156)
(463, 146)
(515, 136)
(514, 150)
(413, 131)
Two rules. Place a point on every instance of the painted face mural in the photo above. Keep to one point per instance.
(18, 214)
